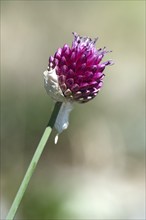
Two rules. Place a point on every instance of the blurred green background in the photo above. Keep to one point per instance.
(96, 171)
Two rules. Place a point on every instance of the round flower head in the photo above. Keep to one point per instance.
(79, 69)
(74, 74)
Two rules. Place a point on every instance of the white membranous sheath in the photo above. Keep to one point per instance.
(53, 89)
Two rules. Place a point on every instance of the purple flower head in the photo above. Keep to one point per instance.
(74, 74)
(79, 69)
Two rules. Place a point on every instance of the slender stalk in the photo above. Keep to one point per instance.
(33, 163)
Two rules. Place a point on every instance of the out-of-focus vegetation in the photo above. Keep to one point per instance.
(96, 171)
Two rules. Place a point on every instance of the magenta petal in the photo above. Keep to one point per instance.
(64, 48)
(61, 79)
(75, 87)
(51, 59)
(98, 75)
(70, 82)
(64, 69)
(73, 57)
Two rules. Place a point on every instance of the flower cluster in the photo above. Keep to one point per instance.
(74, 74)
(79, 69)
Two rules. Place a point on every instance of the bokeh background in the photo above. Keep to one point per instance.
(96, 171)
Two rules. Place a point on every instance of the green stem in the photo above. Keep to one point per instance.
(33, 163)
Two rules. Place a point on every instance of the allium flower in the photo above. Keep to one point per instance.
(75, 74)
